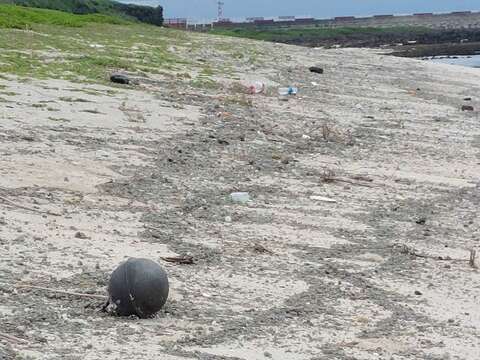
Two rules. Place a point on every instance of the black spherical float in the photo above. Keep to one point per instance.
(138, 287)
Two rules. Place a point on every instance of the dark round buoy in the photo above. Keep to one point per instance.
(138, 287)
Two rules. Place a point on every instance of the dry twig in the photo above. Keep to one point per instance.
(262, 249)
(12, 338)
(10, 202)
(473, 256)
(184, 260)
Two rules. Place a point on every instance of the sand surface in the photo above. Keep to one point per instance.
(146, 170)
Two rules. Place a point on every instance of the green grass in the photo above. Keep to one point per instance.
(291, 34)
(54, 44)
(12, 16)
(147, 14)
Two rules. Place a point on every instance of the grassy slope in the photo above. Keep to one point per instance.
(12, 16)
(141, 13)
(55, 44)
(100, 6)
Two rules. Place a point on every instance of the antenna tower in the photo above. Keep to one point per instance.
(220, 10)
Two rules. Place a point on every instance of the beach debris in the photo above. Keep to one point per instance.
(322, 198)
(467, 99)
(257, 87)
(183, 260)
(137, 287)
(467, 108)
(240, 197)
(120, 79)
(290, 90)
(316, 69)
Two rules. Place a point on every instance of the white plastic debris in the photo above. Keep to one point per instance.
(240, 197)
(322, 198)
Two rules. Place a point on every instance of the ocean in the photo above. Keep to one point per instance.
(470, 61)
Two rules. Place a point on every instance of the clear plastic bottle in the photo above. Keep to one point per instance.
(288, 91)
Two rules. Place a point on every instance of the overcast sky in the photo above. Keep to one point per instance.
(207, 9)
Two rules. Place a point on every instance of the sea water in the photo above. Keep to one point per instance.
(470, 61)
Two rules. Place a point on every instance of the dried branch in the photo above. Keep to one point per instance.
(12, 338)
(473, 256)
(10, 202)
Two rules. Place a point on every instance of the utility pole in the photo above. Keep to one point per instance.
(220, 10)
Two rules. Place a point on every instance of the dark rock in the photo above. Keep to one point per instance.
(421, 221)
(417, 292)
(467, 108)
(467, 99)
(81, 235)
(138, 287)
(120, 79)
(316, 69)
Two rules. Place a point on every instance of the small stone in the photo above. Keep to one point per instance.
(267, 354)
(316, 69)
(467, 108)
(417, 292)
(81, 235)
(421, 220)
(120, 79)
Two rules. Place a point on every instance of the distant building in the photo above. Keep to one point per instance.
(178, 23)
(344, 18)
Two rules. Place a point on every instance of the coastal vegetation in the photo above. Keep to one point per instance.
(147, 14)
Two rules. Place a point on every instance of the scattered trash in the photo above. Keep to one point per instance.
(120, 79)
(228, 219)
(316, 69)
(322, 198)
(288, 91)
(467, 108)
(256, 88)
(306, 137)
(240, 197)
(138, 287)
(184, 260)
(314, 83)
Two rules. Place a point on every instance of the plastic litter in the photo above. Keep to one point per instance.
(138, 287)
(288, 91)
(240, 197)
(256, 88)
(322, 198)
